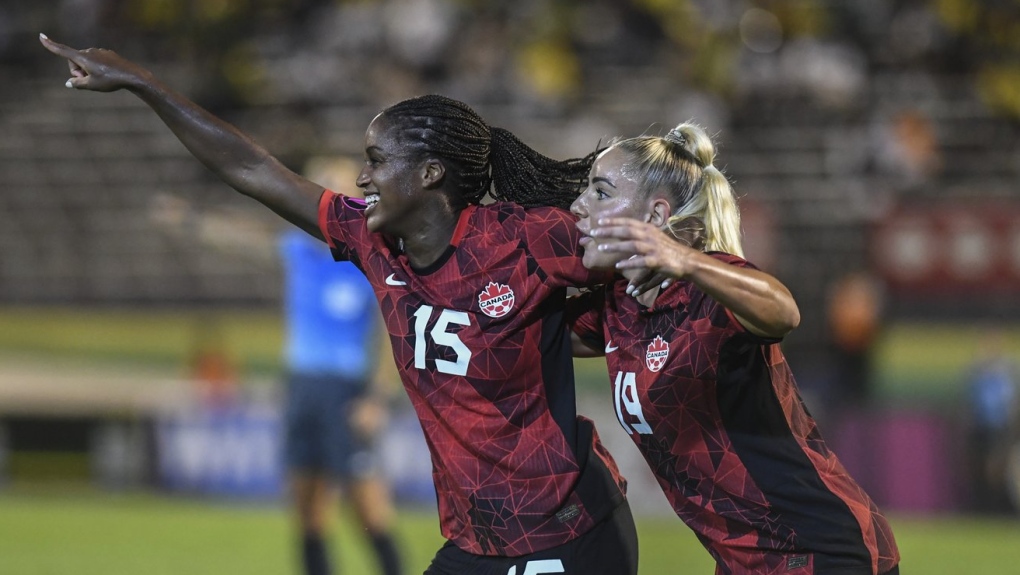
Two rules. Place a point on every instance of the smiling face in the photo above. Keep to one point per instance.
(390, 180)
(612, 192)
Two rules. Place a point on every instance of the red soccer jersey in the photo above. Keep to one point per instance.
(481, 344)
(716, 413)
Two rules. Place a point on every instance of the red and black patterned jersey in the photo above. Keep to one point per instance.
(483, 351)
(716, 413)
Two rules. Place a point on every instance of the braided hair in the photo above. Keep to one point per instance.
(484, 159)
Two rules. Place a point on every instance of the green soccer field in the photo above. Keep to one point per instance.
(89, 533)
(78, 531)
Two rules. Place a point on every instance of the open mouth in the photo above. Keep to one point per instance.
(371, 200)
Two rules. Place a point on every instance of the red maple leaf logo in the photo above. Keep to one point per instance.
(658, 352)
(496, 300)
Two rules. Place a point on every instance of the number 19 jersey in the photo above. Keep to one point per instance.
(717, 415)
(481, 345)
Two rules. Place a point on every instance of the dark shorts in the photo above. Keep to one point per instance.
(318, 436)
(610, 548)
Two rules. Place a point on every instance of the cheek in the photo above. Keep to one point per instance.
(598, 210)
(595, 259)
(615, 209)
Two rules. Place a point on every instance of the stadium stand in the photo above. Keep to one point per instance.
(824, 134)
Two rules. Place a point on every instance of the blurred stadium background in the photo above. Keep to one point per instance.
(874, 145)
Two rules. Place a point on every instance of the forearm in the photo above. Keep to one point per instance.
(760, 302)
(232, 155)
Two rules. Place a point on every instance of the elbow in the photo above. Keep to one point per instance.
(792, 318)
(788, 319)
(788, 313)
(785, 320)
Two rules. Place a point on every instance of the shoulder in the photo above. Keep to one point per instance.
(516, 220)
(552, 223)
(340, 215)
(731, 259)
(354, 207)
(550, 215)
(510, 211)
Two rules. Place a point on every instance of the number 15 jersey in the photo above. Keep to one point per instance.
(481, 345)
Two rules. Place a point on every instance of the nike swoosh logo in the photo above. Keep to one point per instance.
(610, 348)
(393, 281)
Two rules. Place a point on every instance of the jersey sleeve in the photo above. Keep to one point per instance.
(585, 313)
(553, 240)
(342, 223)
(731, 260)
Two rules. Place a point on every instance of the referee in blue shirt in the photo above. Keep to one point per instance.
(336, 358)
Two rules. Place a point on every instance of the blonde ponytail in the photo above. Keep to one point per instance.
(722, 217)
(680, 164)
(713, 200)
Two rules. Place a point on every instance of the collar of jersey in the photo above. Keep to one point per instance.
(664, 302)
(458, 235)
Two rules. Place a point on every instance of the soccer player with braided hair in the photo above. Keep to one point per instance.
(698, 378)
(473, 299)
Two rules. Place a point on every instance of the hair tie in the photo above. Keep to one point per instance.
(675, 136)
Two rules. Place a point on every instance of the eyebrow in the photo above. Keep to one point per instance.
(601, 179)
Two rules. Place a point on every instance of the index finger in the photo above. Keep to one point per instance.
(619, 232)
(618, 221)
(621, 228)
(633, 224)
(57, 48)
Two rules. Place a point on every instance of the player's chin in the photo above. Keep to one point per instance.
(593, 259)
(375, 222)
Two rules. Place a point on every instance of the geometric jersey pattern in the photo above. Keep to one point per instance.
(723, 428)
(515, 470)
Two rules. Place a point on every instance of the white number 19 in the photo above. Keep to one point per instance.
(627, 401)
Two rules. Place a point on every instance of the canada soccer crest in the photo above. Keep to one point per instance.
(496, 300)
(657, 353)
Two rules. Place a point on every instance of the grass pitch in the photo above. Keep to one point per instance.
(89, 533)
(83, 532)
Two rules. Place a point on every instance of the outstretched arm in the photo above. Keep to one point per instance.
(229, 153)
(760, 302)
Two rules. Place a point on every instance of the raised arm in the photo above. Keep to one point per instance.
(230, 154)
(760, 302)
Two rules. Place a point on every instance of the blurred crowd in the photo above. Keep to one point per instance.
(540, 53)
(828, 113)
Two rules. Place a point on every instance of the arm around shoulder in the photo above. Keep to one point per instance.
(759, 301)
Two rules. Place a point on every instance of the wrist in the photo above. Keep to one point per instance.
(143, 83)
(692, 265)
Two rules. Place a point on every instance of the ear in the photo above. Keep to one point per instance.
(433, 173)
(658, 212)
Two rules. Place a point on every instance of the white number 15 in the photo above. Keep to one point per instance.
(442, 337)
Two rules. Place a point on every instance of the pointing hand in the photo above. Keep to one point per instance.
(96, 69)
